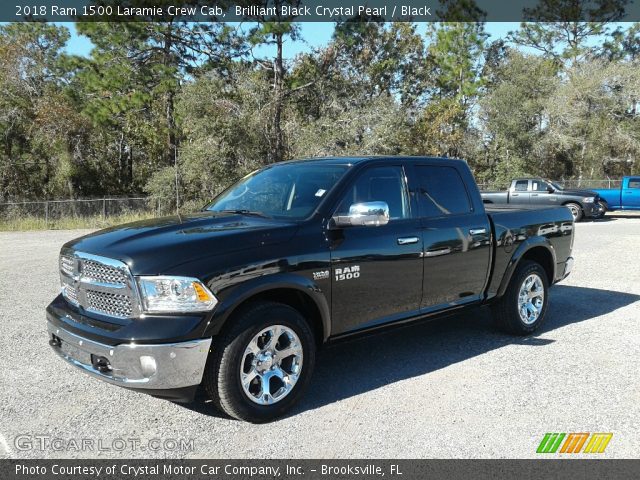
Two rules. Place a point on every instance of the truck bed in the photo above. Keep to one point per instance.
(514, 224)
(492, 207)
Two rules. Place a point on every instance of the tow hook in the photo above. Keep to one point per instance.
(101, 364)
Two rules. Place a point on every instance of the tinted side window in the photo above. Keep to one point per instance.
(442, 191)
(634, 183)
(521, 185)
(379, 184)
(539, 186)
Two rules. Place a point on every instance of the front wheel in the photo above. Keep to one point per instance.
(576, 211)
(262, 365)
(602, 209)
(522, 308)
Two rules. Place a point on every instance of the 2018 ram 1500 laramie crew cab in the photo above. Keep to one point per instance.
(238, 298)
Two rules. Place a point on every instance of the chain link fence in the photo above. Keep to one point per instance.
(52, 210)
(583, 184)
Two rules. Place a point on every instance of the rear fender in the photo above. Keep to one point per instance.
(523, 248)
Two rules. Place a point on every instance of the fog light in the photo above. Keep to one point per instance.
(148, 365)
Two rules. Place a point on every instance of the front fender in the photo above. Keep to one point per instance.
(249, 289)
(520, 252)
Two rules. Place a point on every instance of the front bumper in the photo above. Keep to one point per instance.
(148, 367)
(592, 210)
(568, 266)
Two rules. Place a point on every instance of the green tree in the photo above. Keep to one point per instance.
(554, 29)
(623, 44)
(593, 121)
(514, 118)
(273, 31)
(454, 63)
(37, 123)
(131, 82)
(381, 59)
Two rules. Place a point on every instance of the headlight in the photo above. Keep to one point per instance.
(175, 294)
(588, 199)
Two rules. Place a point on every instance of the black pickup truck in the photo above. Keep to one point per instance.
(238, 298)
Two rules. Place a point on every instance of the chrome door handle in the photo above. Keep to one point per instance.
(438, 252)
(407, 240)
(478, 231)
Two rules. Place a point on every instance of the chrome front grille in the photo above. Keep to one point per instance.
(114, 304)
(71, 293)
(98, 284)
(102, 273)
(66, 265)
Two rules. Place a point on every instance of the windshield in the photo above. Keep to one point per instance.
(290, 190)
(554, 185)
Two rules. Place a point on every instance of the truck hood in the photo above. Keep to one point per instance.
(577, 193)
(151, 247)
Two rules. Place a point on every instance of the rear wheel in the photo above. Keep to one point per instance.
(262, 365)
(522, 308)
(576, 211)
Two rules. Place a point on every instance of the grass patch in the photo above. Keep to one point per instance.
(69, 223)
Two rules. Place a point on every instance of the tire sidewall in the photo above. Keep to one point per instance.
(252, 324)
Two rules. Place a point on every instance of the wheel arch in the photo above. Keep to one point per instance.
(298, 292)
(537, 249)
(576, 202)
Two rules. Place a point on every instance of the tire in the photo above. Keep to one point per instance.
(602, 209)
(247, 351)
(507, 310)
(576, 210)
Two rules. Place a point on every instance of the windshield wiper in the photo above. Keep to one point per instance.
(253, 213)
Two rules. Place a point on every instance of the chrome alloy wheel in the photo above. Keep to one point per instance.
(531, 299)
(271, 365)
(575, 211)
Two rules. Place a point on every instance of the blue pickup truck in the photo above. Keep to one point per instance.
(627, 197)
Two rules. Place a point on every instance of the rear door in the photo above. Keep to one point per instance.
(519, 193)
(456, 237)
(376, 270)
(631, 194)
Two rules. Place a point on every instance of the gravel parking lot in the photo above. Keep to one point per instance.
(449, 388)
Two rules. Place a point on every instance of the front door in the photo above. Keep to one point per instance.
(540, 194)
(631, 194)
(376, 270)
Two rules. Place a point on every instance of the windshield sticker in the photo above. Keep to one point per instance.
(320, 192)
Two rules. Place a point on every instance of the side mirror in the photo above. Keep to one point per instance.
(550, 189)
(368, 214)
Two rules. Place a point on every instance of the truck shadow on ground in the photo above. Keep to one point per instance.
(355, 366)
(613, 217)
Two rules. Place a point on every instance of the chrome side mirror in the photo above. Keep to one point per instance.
(368, 214)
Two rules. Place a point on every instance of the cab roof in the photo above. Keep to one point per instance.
(360, 159)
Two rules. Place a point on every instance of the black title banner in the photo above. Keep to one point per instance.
(318, 469)
(319, 10)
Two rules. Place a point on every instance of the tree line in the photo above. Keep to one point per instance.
(177, 107)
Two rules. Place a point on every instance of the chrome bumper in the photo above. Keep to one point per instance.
(162, 366)
(568, 266)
